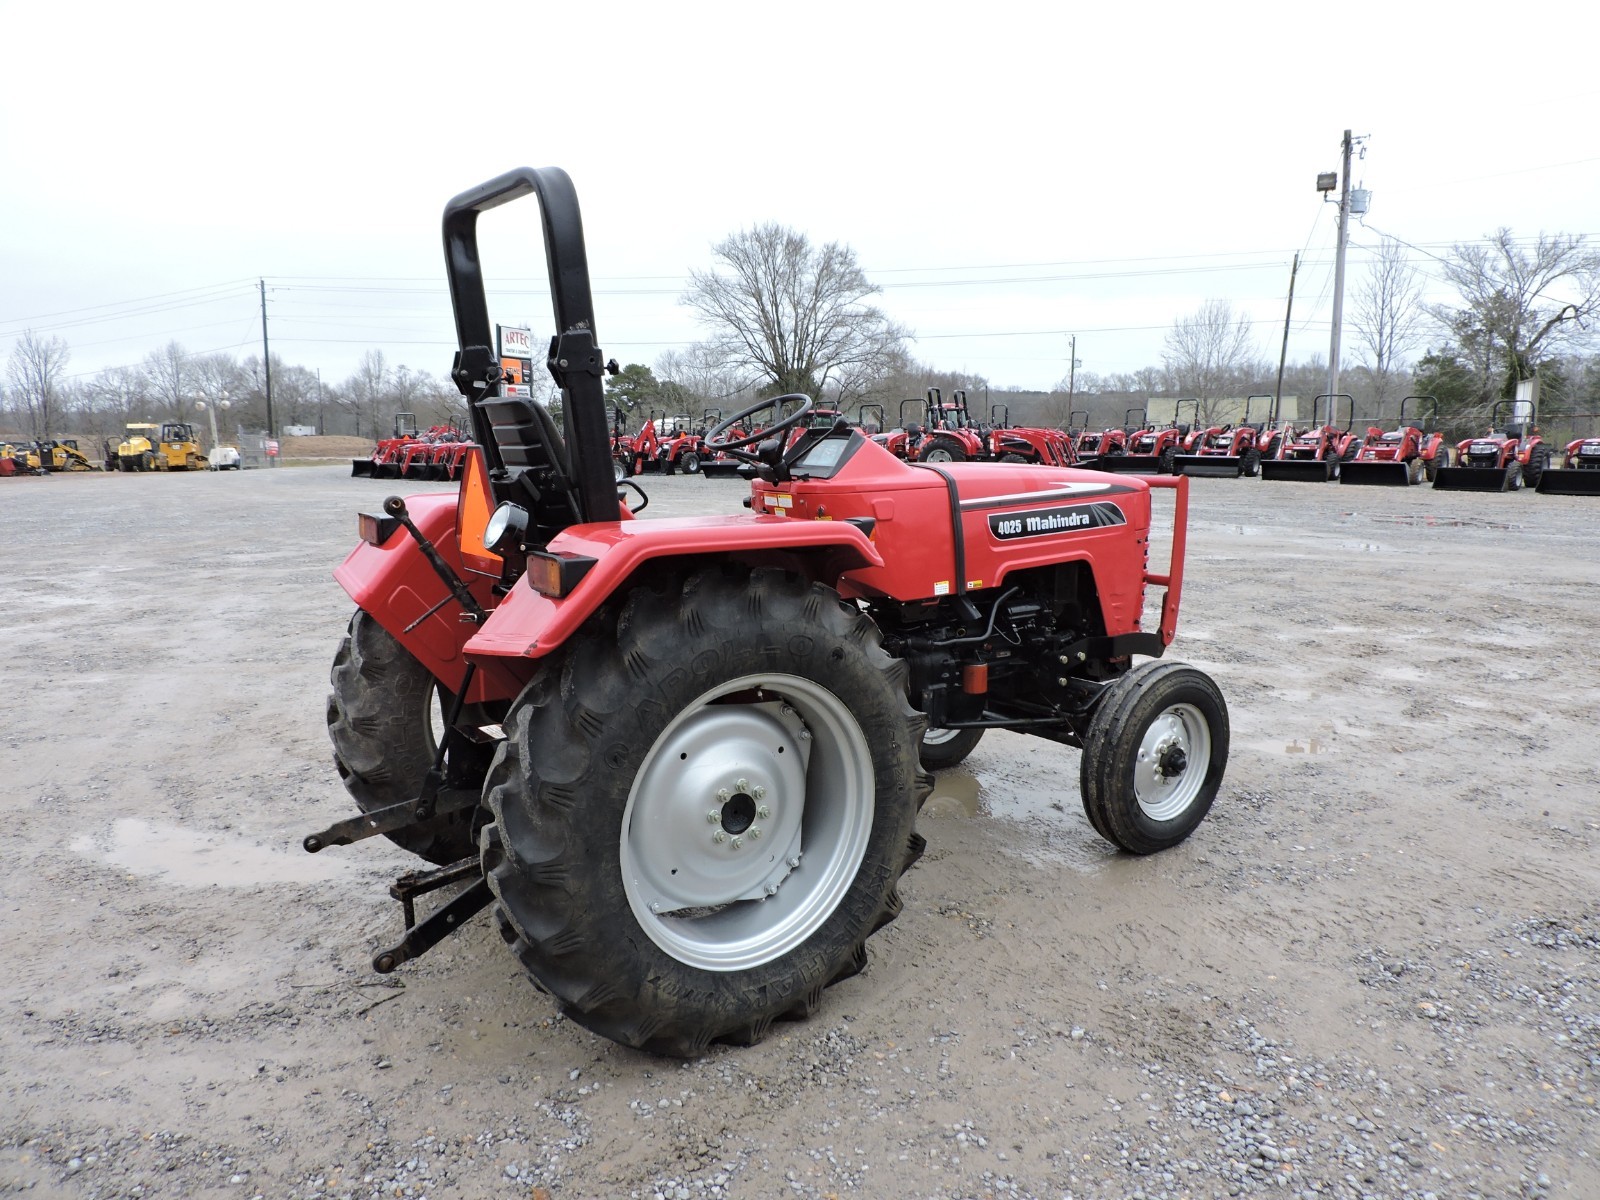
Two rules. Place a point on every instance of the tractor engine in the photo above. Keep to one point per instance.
(1003, 655)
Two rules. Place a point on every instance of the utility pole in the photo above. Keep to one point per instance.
(1338, 273)
(266, 354)
(1277, 395)
(1072, 369)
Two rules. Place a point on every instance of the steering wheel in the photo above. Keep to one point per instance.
(774, 402)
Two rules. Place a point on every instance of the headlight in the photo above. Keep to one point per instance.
(505, 528)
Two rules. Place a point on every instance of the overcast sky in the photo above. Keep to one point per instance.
(1010, 174)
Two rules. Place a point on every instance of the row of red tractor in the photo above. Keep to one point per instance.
(932, 429)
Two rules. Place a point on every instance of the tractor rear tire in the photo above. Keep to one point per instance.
(385, 715)
(1154, 756)
(702, 809)
(943, 748)
(944, 450)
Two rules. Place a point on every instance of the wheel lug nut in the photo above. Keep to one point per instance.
(723, 794)
(758, 791)
(794, 862)
(763, 812)
(736, 843)
(713, 816)
(772, 889)
(755, 831)
(743, 785)
(719, 837)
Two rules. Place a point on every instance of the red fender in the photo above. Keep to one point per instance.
(527, 625)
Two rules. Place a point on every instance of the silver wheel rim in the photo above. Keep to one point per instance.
(784, 776)
(938, 737)
(1163, 788)
(939, 455)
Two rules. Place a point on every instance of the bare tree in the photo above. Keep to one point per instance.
(366, 393)
(1388, 318)
(1209, 355)
(700, 377)
(36, 373)
(790, 315)
(172, 381)
(1519, 305)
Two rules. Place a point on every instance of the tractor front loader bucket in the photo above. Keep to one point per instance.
(1300, 470)
(1477, 479)
(1573, 481)
(1388, 474)
(1126, 464)
(361, 468)
(1221, 466)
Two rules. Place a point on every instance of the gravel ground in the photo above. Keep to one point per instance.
(1371, 973)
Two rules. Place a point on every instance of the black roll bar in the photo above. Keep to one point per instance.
(574, 362)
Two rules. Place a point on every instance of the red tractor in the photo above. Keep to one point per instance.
(1411, 452)
(384, 461)
(622, 446)
(1225, 450)
(1314, 455)
(1152, 449)
(948, 433)
(1010, 443)
(1509, 456)
(682, 758)
(1581, 476)
(1093, 444)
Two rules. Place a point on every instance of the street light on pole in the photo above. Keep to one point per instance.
(211, 411)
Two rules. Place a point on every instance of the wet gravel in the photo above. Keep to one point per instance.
(1372, 974)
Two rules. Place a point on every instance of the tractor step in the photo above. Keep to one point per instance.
(1573, 481)
(1125, 464)
(1300, 470)
(1219, 466)
(1388, 474)
(1478, 479)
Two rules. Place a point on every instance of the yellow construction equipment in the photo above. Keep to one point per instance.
(62, 454)
(169, 446)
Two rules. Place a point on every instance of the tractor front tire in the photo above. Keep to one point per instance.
(1013, 457)
(943, 748)
(1154, 756)
(385, 715)
(702, 809)
(1167, 464)
(689, 463)
(1432, 467)
(1250, 463)
(1538, 464)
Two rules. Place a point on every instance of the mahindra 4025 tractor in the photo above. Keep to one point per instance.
(679, 757)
